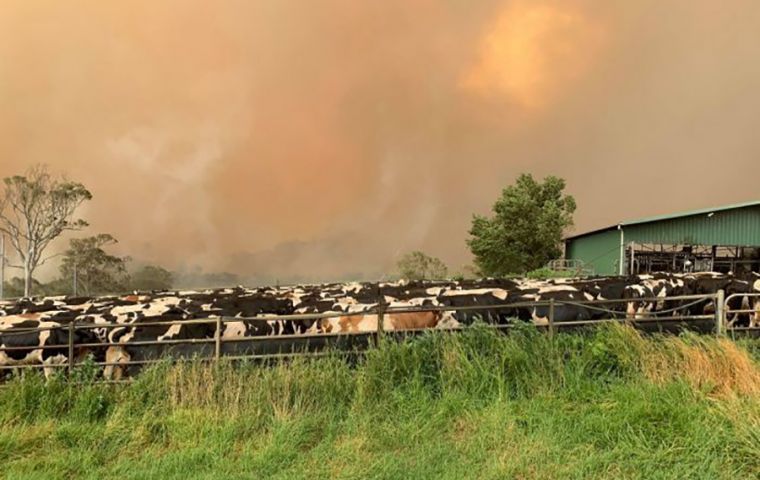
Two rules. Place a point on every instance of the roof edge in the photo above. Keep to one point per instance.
(591, 232)
(659, 218)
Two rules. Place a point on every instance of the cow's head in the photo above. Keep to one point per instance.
(85, 343)
(116, 359)
(447, 320)
(636, 308)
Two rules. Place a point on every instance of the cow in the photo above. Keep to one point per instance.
(353, 306)
(755, 322)
(710, 284)
(129, 349)
(25, 340)
(605, 288)
(363, 322)
(637, 305)
(659, 287)
(250, 305)
(484, 297)
(566, 304)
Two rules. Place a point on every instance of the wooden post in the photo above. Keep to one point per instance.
(720, 312)
(551, 318)
(380, 319)
(70, 366)
(218, 340)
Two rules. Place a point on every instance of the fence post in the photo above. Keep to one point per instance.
(380, 319)
(720, 311)
(218, 339)
(70, 366)
(551, 318)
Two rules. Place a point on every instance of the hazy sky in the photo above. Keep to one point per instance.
(324, 138)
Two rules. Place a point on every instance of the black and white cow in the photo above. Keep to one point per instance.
(605, 288)
(755, 320)
(480, 297)
(567, 304)
(740, 301)
(29, 340)
(142, 341)
(353, 305)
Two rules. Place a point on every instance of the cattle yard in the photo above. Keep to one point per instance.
(121, 335)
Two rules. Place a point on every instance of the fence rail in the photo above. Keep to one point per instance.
(270, 347)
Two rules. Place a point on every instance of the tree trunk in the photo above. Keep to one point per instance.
(27, 279)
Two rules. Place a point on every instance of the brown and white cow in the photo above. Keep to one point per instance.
(363, 322)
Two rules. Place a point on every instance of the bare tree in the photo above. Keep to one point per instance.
(34, 210)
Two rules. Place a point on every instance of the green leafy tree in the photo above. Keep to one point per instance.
(35, 209)
(526, 229)
(419, 266)
(151, 277)
(97, 271)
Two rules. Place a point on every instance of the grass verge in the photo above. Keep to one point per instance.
(604, 404)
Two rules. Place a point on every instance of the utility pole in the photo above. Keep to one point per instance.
(75, 280)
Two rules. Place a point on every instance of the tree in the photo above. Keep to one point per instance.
(14, 288)
(35, 209)
(467, 272)
(526, 229)
(419, 266)
(152, 277)
(96, 271)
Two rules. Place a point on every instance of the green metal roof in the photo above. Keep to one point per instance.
(660, 218)
(691, 213)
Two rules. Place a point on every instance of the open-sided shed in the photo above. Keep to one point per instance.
(719, 239)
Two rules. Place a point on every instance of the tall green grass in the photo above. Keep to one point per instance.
(604, 404)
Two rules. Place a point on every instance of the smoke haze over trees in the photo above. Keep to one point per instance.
(96, 271)
(323, 139)
(419, 266)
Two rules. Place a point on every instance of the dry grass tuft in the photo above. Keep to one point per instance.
(717, 367)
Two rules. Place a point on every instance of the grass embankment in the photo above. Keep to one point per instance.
(477, 405)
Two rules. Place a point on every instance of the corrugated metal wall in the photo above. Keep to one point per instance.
(736, 227)
(599, 251)
(740, 227)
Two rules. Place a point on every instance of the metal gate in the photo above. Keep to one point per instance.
(749, 307)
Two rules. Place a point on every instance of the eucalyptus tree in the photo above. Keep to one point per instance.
(35, 209)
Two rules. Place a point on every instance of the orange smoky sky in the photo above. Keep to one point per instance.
(316, 140)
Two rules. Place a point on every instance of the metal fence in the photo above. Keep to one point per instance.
(753, 331)
(671, 320)
(573, 266)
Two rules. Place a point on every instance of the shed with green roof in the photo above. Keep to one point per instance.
(718, 239)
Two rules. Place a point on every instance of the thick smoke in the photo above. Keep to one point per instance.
(310, 140)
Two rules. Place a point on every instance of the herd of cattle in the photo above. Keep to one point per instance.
(122, 332)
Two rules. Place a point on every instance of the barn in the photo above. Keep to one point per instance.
(719, 239)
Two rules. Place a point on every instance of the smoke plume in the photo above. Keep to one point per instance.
(312, 140)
